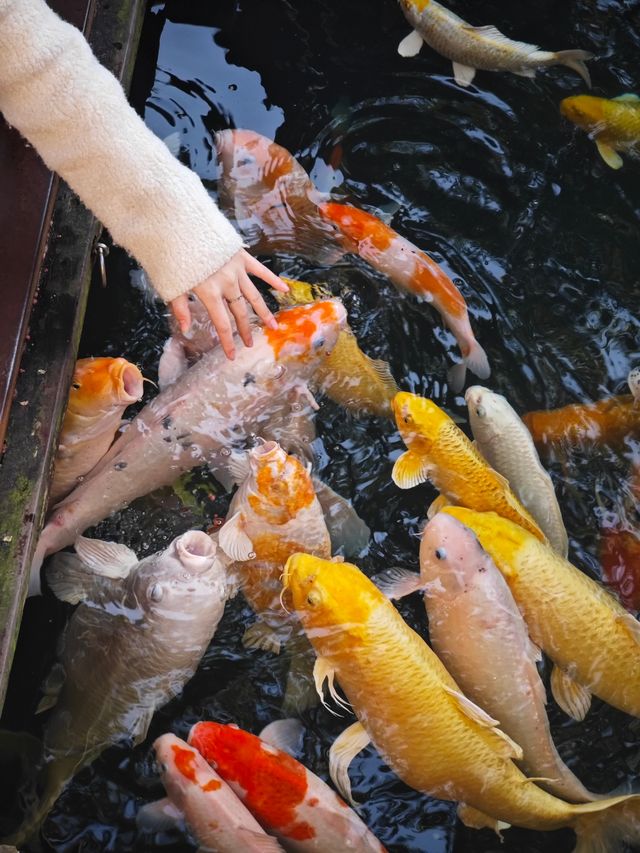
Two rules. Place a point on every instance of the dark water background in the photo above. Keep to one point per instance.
(542, 238)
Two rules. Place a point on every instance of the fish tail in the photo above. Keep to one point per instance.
(605, 826)
(477, 362)
(575, 59)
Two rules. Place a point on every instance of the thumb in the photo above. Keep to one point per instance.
(180, 309)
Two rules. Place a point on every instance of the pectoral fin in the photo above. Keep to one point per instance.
(396, 582)
(234, 541)
(343, 750)
(51, 688)
(239, 467)
(573, 698)
(70, 580)
(410, 470)
(173, 363)
(609, 155)
(109, 559)
(158, 816)
(507, 747)
(411, 44)
(631, 624)
(478, 820)
(262, 636)
(286, 735)
(436, 505)
(322, 670)
(463, 74)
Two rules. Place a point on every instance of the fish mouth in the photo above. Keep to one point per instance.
(131, 383)
(195, 550)
(473, 395)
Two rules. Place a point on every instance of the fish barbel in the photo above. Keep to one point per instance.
(506, 444)
(288, 799)
(135, 639)
(347, 376)
(605, 422)
(440, 452)
(196, 793)
(435, 738)
(612, 123)
(101, 389)
(471, 48)
(213, 406)
(592, 640)
(411, 270)
(477, 631)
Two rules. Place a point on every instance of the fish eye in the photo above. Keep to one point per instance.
(191, 297)
(319, 343)
(481, 412)
(441, 554)
(279, 371)
(408, 419)
(75, 385)
(156, 592)
(313, 597)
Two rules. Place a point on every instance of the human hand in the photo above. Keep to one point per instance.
(231, 283)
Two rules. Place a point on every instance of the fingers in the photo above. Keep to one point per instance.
(256, 268)
(238, 308)
(180, 309)
(253, 297)
(220, 318)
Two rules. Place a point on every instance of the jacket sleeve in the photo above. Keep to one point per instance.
(76, 115)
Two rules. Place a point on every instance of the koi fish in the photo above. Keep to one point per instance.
(101, 389)
(486, 48)
(286, 798)
(347, 376)
(613, 124)
(213, 406)
(506, 444)
(608, 421)
(439, 451)
(620, 562)
(125, 650)
(197, 794)
(479, 634)
(633, 381)
(436, 739)
(414, 271)
(592, 640)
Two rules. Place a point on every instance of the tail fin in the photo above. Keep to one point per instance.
(575, 59)
(604, 826)
(477, 361)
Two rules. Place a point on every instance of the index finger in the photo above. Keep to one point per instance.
(254, 267)
(221, 323)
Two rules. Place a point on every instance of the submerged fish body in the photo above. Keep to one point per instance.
(592, 640)
(620, 561)
(287, 799)
(101, 389)
(211, 810)
(435, 738)
(410, 270)
(135, 639)
(213, 406)
(271, 197)
(613, 124)
(478, 632)
(506, 444)
(347, 376)
(605, 422)
(471, 48)
(438, 451)
(183, 349)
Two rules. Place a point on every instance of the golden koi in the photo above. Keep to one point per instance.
(471, 48)
(435, 738)
(439, 451)
(613, 124)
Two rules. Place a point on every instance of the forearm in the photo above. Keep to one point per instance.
(75, 113)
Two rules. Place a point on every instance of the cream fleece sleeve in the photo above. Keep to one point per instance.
(75, 113)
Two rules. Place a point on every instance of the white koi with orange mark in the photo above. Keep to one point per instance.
(211, 810)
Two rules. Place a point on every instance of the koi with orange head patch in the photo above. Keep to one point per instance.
(286, 798)
(438, 450)
(197, 794)
(101, 389)
(605, 422)
(413, 271)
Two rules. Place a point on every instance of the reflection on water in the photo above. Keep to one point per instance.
(538, 233)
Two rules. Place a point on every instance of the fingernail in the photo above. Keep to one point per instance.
(272, 323)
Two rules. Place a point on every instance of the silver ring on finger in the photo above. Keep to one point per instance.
(235, 299)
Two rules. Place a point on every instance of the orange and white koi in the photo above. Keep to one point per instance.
(101, 389)
(211, 810)
(411, 270)
(283, 795)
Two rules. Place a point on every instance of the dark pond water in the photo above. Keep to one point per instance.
(542, 238)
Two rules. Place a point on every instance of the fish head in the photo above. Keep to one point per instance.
(496, 534)
(280, 485)
(633, 380)
(585, 111)
(334, 600)
(306, 333)
(419, 420)
(249, 158)
(100, 384)
(489, 413)
(451, 557)
(166, 584)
